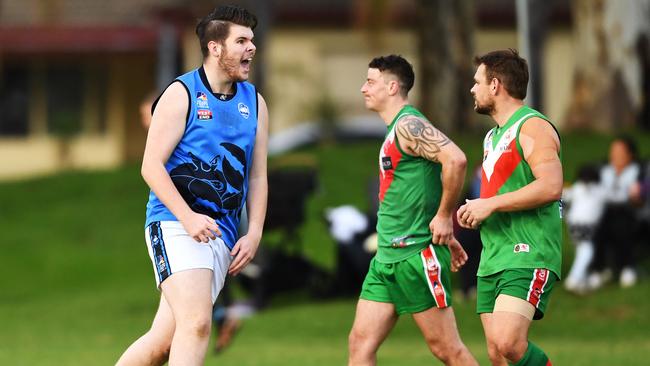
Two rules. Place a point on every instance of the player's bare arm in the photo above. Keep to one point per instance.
(418, 137)
(166, 130)
(541, 146)
(246, 247)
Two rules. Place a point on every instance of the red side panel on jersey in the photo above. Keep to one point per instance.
(503, 169)
(389, 158)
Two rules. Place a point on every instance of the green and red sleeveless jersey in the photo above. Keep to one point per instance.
(519, 239)
(409, 194)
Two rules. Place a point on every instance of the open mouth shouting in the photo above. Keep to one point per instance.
(246, 63)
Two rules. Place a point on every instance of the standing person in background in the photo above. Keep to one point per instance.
(205, 156)
(421, 175)
(519, 210)
(471, 239)
(145, 109)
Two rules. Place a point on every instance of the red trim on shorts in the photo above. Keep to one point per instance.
(548, 363)
(432, 270)
(536, 289)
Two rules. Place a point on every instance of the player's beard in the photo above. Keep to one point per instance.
(231, 66)
(487, 108)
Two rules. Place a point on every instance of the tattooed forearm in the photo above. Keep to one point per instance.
(421, 137)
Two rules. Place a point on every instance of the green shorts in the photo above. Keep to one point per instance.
(415, 284)
(531, 284)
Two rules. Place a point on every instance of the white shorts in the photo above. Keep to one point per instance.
(172, 250)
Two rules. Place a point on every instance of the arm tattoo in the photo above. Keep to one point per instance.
(424, 139)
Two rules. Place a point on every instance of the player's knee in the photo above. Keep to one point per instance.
(511, 348)
(198, 327)
(355, 340)
(446, 351)
(160, 346)
(202, 328)
(493, 353)
(161, 354)
(359, 343)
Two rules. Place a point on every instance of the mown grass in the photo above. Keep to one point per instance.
(76, 284)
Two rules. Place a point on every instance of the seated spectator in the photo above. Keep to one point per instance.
(350, 229)
(616, 235)
(586, 199)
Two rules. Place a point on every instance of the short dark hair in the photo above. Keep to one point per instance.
(398, 66)
(509, 68)
(589, 173)
(216, 25)
(630, 145)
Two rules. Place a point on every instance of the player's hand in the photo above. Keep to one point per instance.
(200, 227)
(243, 253)
(458, 255)
(474, 212)
(442, 229)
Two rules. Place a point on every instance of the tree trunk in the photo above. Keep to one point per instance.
(607, 90)
(446, 44)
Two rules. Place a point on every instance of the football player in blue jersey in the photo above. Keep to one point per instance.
(205, 157)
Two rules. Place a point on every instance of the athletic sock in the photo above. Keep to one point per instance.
(534, 356)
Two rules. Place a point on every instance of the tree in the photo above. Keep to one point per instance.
(446, 30)
(608, 91)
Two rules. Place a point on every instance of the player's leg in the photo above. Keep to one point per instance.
(509, 331)
(438, 326)
(493, 352)
(153, 347)
(190, 276)
(509, 325)
(372, 323)
(189, 294)
(375, 316)
(427, 288)
(523, 296)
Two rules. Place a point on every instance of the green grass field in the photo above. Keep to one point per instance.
(76, 284)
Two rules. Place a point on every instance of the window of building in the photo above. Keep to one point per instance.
(65, 90)
(14, 100)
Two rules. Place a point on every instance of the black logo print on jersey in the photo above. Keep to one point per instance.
(386, 163)
(215, 188)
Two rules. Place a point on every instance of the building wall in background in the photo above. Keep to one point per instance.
(312, 70)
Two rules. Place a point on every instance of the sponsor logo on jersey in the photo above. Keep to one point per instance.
(202, 100)
(521, 247)
(386, 163)
(243, 110)
(401, 241)
(203, 109)
(508, 135)
(504, 149)
(204, 114)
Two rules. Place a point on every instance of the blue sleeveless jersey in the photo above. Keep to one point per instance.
(211, 163)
